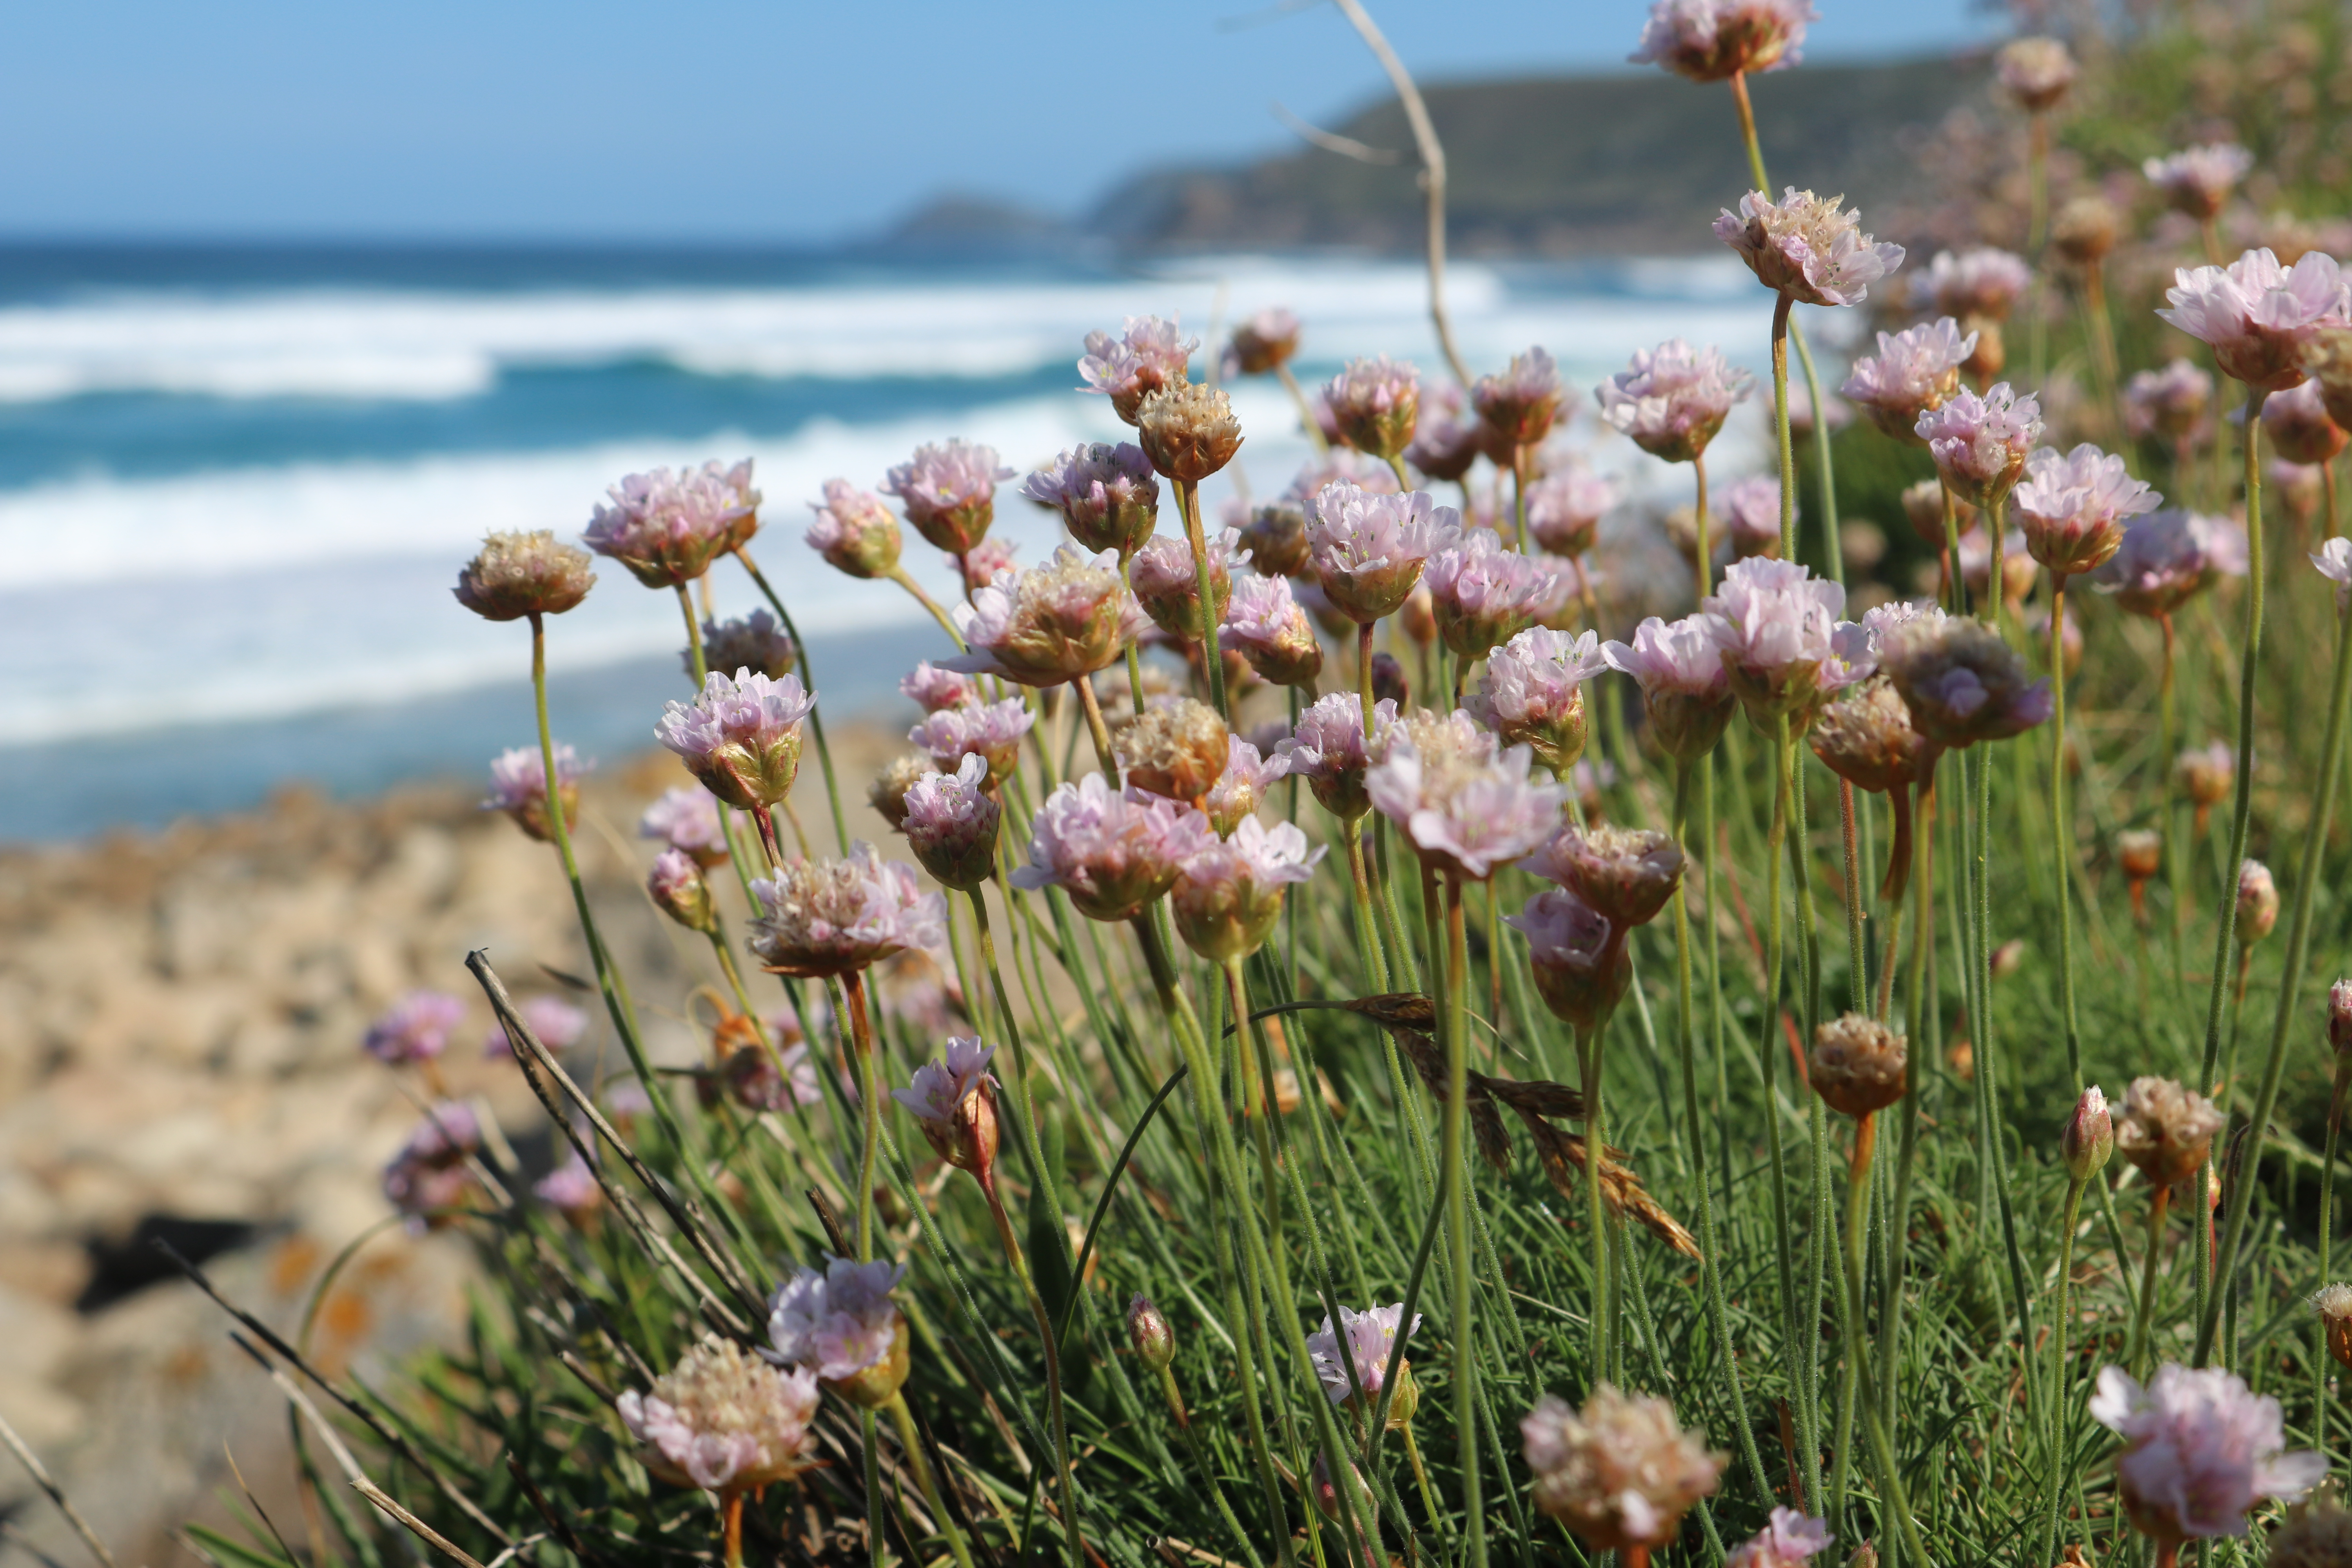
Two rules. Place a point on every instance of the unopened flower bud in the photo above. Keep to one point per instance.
(2206, 776)
(2258, 902)
(2008, 958)
(1625, 874)
(1864, 1556)
(519, 574)
(1263, 342)
(2085, 230)
(1389, 682)
(951, 823)
(677, 889)
(1923, 507)
(1178, 751)
(853, 531)
(1189, 432)
(2334, 1305)
(1858, 1065)
(1578, 959)
(2339, 1017)
(1377, 404)
(1418, 616)
(2139, 851)
(2089, 1138)
(1275, 538)
(1147, 1330)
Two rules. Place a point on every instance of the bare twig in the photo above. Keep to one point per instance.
(1331, 141)
(40, 1475)
(268, 1523)
(564, 1533)
(1432, 172)
(418, 1526)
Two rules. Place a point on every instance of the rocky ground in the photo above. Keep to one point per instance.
(179, 1019)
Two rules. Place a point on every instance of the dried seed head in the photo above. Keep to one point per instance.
(519, 574)
(1177, 751)
(887, 793)
(2166, 1130)
(2334, 1305)
(1856, 1065)
(1866, 738)
(2319, 1536)
(1189, 432)
(2139, 851)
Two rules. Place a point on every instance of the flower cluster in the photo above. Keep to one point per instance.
(667, 527)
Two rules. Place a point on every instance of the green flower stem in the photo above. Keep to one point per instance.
(1522, 458)
(1364, 675)
(1589, 1045)
(904, 1419)
(1768, 1050)
(2298, 939)
(1184, 1422)
(869, 1105)
(1833, 542)
(898, 574)
(1781, 308)
(1455, 1172)
(1200, 1085)
(1055, 1415)
(1821, 1246)
(1306, 420)
(1858, 955)
(2062, 1383)
(2062, 837)
(610, 982)
(1710, 1278)
(1360, 887)
(2319, 1356)
(1855, 1350)
(808, 677)
(1705, 569)
(1212, 663)
(2176, 849)
(1096, 729)
(1917, 1018)
(2157, 1201)
(1405, 971)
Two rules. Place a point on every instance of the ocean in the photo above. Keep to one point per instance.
(236, 482)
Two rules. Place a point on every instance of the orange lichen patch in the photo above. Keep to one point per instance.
(292, 1262)
(345, 1316)
(186, 1365)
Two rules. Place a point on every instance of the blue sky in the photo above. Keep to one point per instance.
(714, 118)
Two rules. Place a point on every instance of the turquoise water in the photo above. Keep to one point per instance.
(236, 482)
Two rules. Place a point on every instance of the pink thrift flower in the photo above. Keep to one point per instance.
(2199, 180)
(1774, 624)
(1532, 693)
(1466, 809)
(1686, 689)
(557, 1023)
(1264, 624)
(1981, 281)
(1112, 853)
(992, 731)
(430, 1172)
(2298, 426)
(952, 825)
(1263, 342)
(1520, 403)
(416, 1028)
(756, 641)
(1806, 247)
(934, 690)
(1578, 957)
(1168, 585)
(1565, 508)
(853, 531)
(1376, 403)
(2201, 1449)
(1228, 893)
(2168, 556)
(570, 1187)
(1913, 371)
(1751, 509)
(1620, 1472)
(1713, 40)
(2036, 72)
(980, 564)
(2172, 401)
(1109, 496)
(665, 527)
(941, 1101)
(1327, 749)
(687, 818)
(1369, 1340)
(1980, 444)
(1673, 398)
(2073, 506)
(2258, 316)
(1786, 1543)
(1368, 550)
(723, 1420)
(838, 1323)
(1447, 439)
(834, 917)
(2334, 560)
(1151, 353)
(1484, 594)
(740, 738)
(949, 492)
(1242, 788)
(1341, 466)
(1052, 623)
(519, 777)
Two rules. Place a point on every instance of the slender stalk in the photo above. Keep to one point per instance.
(1054, 1406)
(1184, 1420)
(898, 574)
(2062, 837)
(1522, 457)
(1096, 731)
(731, 1527)
(869, 1105)
(2298, 939)
(1360, 888)
(2157, 1201)
(2062, 1391)
(1768, 1050)
(1704, 567)
(2176, 851)
(1306, 420)
(2319, 1357)
(1856, 1349)
(904, 1419)
(808, 676)
(1589, 1045)
(1781, 308)
(1857, 950)
(610, 984)
(1212, 662)
(1364, 675)
(1456, 1174)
